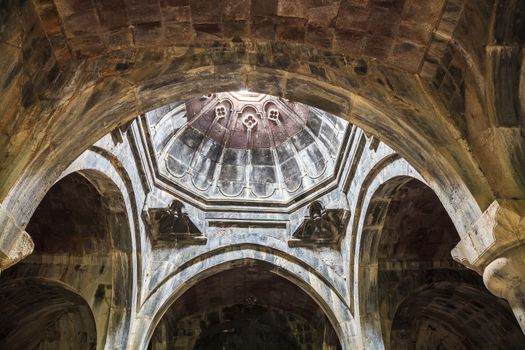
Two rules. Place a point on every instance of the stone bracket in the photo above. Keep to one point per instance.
(171, 226)
(322, 227)
(501, 227)
(15, 243)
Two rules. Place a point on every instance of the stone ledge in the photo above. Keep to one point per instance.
(501, 227)
(312, 243)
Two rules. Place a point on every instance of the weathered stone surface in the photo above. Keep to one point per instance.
(83, 27)
(500, 228)
(410, 278)
(439, 81)
(17, 248)
(53, 316)
(418, 235)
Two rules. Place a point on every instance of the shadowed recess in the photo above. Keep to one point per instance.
(37, 315)
(455, 316)
(244, 308)
(427, 300)
(417, 226)
(71, 219)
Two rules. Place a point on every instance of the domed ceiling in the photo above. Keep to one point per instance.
(245, 147)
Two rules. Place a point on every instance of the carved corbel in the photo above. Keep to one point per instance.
(15, 243)
(501, 227)
(321, 227)
(172, 226)
(495, 248)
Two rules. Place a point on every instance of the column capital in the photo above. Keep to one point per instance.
(501, 227)
(15, 243)
(504, 276)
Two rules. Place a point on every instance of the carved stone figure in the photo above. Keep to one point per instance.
(321, 227)
(171, 224)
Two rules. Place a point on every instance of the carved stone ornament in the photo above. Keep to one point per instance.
(322, 227)
(273, 115)
(220, 112)
(172, 225)
(249, 121)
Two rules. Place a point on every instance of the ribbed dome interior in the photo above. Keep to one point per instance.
(245, 146)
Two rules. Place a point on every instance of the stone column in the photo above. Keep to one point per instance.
(495, 248)
(15, 243)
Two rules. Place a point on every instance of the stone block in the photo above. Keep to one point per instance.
(350, 42)
(178, 32)
(80, 24)
(148, 34)
(208, 31)
(235, 10)
(319, 36)
(176, 14)
(264, 8)
(407, 55)
(292, 8)
(144, 14)
(323, 16)
(291, 29)
(263, 27)
(205, 11)
(118, 39)
(383, 23)
(379, 47)
(352, 18)
(235, 29)
(89, 45)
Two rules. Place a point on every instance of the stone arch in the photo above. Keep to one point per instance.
(116, 189)
(324, 295)
(415, 236)
(38, 312)
(73, 245)
(258, 307)
(82, 227)
(382, 237)
(277, 247)
(97, 87)
(111, 102)
(504, 90)
(380, 183)
(70, 219)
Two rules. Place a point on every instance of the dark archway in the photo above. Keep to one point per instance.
(416, 226)
(81, 234)
(448, 315)
(71, 219)
(426, 300)
(244, 308)
(40, 314)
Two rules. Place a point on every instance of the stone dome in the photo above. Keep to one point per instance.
(244, 147)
